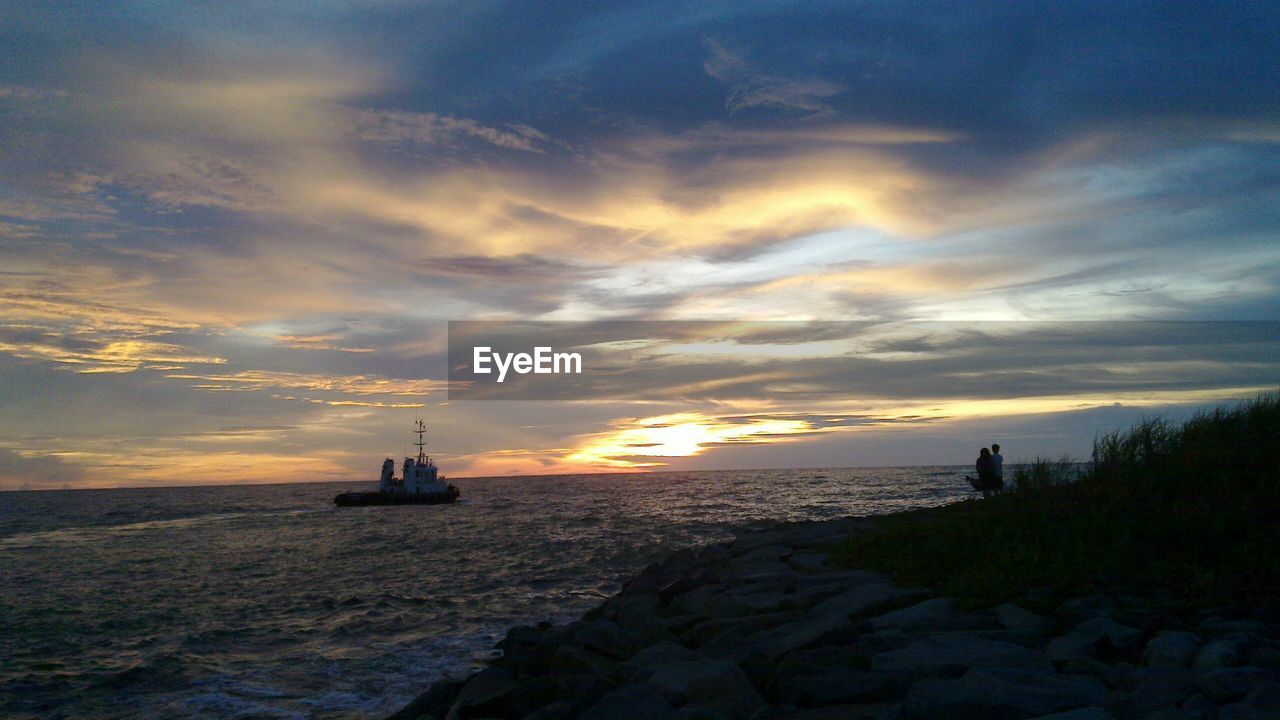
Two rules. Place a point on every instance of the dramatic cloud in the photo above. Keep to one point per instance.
(262, 217)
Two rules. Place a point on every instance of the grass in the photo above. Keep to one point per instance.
(1190, 512)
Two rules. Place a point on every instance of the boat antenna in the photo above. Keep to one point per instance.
(420, 429)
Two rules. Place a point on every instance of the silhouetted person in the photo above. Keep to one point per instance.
(998, 459)
(986, 467)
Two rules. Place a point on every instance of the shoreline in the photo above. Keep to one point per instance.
(761, 627)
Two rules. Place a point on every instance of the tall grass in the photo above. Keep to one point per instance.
(1043, 473)
(1191, 511)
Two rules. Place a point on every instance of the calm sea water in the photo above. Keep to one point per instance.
(269, 602)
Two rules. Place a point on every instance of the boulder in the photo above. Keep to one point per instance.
(828, 621)
(1230, 684)
(1267, 656)
(1099, 636)
(694, 601)
(863, 599)
(630, 702)
(928, 615)
(1223, 653)
(558, 710)
(696, 712)
(1199, 707)
(715, 684)
(1086, 608)
(765, 553)
(836, 684)
(743, 601)
(434, 703)
(1159, 688)
(1263, 703)
(953, 653)
(755, 572)
(1001, 694)
(484, 694)
(1089, 713)
(1018, 619)
(580, 692)
(1171, 648)
(804, 561)
(602, 636)
(1215, 626)
(671, 589)
(496, 693)
(570, 660)
(633, 611)
(860, 711)
(705, 631)
(663, 652)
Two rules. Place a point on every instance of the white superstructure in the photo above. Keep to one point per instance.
(421, 476)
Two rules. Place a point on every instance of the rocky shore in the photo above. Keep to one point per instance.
(762, 627)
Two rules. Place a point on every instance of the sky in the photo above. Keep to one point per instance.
(232, 235)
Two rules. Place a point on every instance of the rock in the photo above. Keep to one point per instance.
(1158, 689)
(483, 694)
(494, 692)
(766, 553)
(835, 685)
(1263, 703)
(604, 637)
(827, 621)
(704, 632)
(755, 572)
(1001, 694)
(570, 660)
(696, 712)
(630, 702)
(1266, 656)
(1218, 654)
(1019, 619)
(1171, 648)
(1089, 713)
(678, 623)
(808, 561)
(738, 602)
(717, 554)
(928, 615)
(434, 703)
(558, 710)
(1230, 684)
(860, 711)
(1108, 674)
(1078, 610)
(715, 684)
(1099, 636)
(953, 653)
(693, 602)
(658, 653)
(633, 611)
(672, 589)
(580, 692)
(1198, 707)
(1216, 626)
(863, 599)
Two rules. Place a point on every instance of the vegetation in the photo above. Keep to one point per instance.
(1189, 512)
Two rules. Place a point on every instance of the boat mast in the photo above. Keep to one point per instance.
(422, 456)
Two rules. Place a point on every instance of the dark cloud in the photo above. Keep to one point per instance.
(38, 471)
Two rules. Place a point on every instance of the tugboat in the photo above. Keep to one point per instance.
(421, 485)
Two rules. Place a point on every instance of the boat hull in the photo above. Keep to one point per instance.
(364, 499)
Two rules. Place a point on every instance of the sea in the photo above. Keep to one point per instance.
(267, 601)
